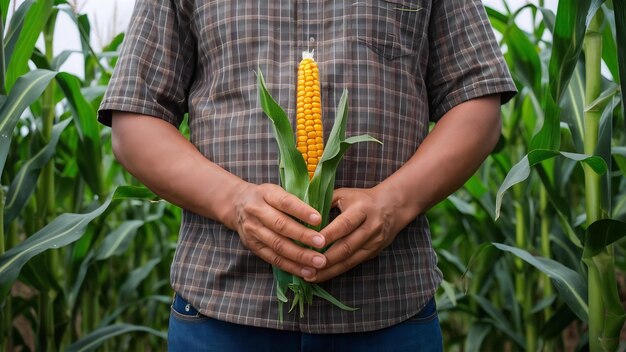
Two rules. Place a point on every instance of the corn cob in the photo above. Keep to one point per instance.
(292, 171)
(309, 132)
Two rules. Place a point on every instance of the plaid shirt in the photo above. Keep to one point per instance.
(404, 62)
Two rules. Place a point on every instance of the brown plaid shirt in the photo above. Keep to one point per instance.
(404, 62)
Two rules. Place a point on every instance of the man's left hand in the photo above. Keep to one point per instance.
(369, 221)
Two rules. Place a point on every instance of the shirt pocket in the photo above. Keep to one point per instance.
(390, 28)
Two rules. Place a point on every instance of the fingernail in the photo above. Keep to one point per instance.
(314, 218)
(318, 241)
(307, 272)
(318, 262)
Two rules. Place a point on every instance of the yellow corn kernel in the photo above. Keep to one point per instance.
(309, 129)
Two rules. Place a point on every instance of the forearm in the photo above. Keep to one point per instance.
(159, 156)
(448, 156)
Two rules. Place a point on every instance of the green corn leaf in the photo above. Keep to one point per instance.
(601, 234)
(40, 60)
(522, 55)
(141, 302)
(27, 90)
(619, 8)
(24, 183)
(569, 32)
(33, 24)
(521, 171)
(603, 149)
(593, 8)
(453, 259)
(15, 28)
(500, 322)
(619, 154)
(117, 242)
(62, 231)
(84, 29)
(133, 192)
(571, 285)
(43, 280)
(292, 166)
(549, 18)
(283, 279)
(4, 9)
(96, 338)
(498, 20)
(465, 208)
(136, 277)
(609, 45)
(543, 304)
(475, 337)
(320, 292)
(448, 289)
(77, 284)
(60, 59)
(604, 99)
(549, 136)
(573, 106)
(558, 322)
(90, 158)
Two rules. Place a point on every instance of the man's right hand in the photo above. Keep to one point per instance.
(265, 216)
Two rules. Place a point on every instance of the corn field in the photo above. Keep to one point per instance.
(531, 247)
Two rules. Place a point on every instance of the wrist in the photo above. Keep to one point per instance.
(225, 209)
(400, 199)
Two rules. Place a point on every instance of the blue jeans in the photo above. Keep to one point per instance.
(190, 331)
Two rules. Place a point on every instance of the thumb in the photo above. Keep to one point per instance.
(338, 195)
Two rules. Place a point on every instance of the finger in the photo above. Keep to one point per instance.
(338, 195)
(282, 247)
(292, 205)
(348, 246)
(341, 267)
(343, 225)
(286, 226)
(271, 257)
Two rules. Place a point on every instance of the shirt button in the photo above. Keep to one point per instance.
(311, 39)
(187, 307)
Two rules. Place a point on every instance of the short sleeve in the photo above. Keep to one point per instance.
(155, 66)
(465, 61)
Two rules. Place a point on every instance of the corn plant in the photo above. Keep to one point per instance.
(494, 299)
(583, 138)
(72, 275)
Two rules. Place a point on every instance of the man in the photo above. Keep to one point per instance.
(404, 63)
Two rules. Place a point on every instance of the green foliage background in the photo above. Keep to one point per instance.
(531, 247)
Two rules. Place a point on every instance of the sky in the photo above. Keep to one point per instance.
(109, 17)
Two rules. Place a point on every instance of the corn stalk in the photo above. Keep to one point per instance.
(593, 50)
